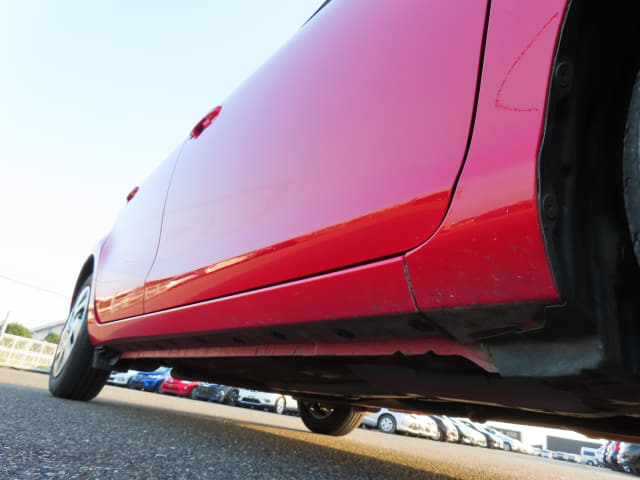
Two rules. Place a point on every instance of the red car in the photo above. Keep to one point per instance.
(429, 206)
(178, 387)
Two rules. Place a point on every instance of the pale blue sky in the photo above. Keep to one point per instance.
(93, 95)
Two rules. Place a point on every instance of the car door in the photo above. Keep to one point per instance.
(342, 149)
(128, 251)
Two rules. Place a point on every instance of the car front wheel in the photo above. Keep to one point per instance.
(72, 374)
(387, 424)
(329, 419)
(232, 397)
(280, 405)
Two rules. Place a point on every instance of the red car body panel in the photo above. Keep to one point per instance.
(128, 251)
(490, 249)
(342, 149)
(376, 289)
(178, 387)
(229, 253)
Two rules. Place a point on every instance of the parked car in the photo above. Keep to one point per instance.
(150, 381)
(492, 440)
(509, 444)
(429, 427)
(275, 402)
(467, 434)
(370, 212)
(390, 421)
(208, 391)
(559, 455)
(544, 453)
(183, 388)
(629, 458)
(230, 394)
(588, 456)
(121, 379)
(448, 431)
(611, 456)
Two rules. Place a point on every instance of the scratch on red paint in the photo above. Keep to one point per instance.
(499, 103)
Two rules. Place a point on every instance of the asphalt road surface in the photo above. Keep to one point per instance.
(126, 434)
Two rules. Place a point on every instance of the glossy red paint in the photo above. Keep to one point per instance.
(178, 387)
(128, 251)
(221, 244)
(342, 149)
(489, 249)
(377, 289)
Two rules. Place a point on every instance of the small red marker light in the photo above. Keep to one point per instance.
(205, 122)
(132, 193)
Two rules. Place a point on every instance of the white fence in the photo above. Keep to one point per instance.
(21, 352)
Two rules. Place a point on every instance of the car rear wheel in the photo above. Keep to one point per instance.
(631, 167)
(386, 423)
(194, 393)
(329, 419)
(72, 374)
(219, 396)
(280, 405)
(232, 397)
(438, 436)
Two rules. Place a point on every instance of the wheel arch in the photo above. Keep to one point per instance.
(580, 192)
(85, 272)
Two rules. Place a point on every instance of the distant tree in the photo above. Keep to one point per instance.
(52, 337)
(20, 330)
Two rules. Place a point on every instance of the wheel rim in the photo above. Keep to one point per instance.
(319, 410)
(71, 330)
(280, 405)
(386, 424)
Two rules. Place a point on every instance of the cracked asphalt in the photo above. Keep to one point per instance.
(125, 434)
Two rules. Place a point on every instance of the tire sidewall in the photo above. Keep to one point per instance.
(381, 423)
(631, 167)
(78, 379)
(280, 406)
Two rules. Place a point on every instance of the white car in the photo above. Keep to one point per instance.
(121, 379)
(510, 444)
(276, 402)
(388, 421)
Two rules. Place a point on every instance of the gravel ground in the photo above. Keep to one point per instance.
(126, 434)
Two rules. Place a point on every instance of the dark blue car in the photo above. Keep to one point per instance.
(150, 380)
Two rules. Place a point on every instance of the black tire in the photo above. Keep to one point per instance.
(631, 167)
(329, 419)
(219, 398)
(280, 406)
(387, 424)
(194, 394)
(72, 374)
(232, 397)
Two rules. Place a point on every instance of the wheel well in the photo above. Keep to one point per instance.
(580, 192)
(85, 272)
